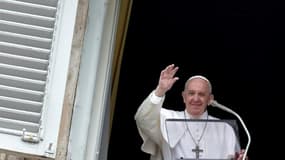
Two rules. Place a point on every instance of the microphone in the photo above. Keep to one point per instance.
(214, 103)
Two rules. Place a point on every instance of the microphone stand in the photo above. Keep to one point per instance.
(214, 103)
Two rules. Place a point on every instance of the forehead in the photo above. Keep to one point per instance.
(197, 84)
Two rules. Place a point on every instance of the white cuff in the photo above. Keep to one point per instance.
(155, 99)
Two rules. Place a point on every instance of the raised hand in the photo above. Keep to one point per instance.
(166, 80)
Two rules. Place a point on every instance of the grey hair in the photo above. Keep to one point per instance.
(201, 77)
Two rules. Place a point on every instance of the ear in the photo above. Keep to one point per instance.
(210, 99)
(183, 95)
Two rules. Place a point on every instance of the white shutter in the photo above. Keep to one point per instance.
(26, 32)
(30, 36)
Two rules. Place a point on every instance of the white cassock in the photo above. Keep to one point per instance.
(172, 140)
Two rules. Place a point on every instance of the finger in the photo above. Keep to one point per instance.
(174, 80)
(171, 70)
(164, 74)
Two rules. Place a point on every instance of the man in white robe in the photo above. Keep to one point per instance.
(179, 140)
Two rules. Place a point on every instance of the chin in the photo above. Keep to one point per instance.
(196, 113)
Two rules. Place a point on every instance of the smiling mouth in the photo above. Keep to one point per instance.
(196, 105)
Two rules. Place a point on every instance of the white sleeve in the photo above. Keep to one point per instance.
(155, 99)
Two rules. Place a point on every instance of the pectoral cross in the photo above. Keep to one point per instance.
(197, 151)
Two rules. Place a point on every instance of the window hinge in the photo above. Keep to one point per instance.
(30, 137)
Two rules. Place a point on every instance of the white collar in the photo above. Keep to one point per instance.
(203, 116)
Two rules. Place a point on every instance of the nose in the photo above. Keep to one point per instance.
(195, 97)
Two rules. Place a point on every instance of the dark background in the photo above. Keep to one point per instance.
(237, 44)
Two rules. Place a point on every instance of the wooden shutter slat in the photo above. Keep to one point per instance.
(30, 8)
(21, 104)
(28, 62)
(23, 50)
(20, 93)
(24, 18)
(20, 82)
(23, 72)
(19, 125)
(20, 115)
(26, 29)
(25, 40)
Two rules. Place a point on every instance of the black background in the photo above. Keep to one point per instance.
(237, 44)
